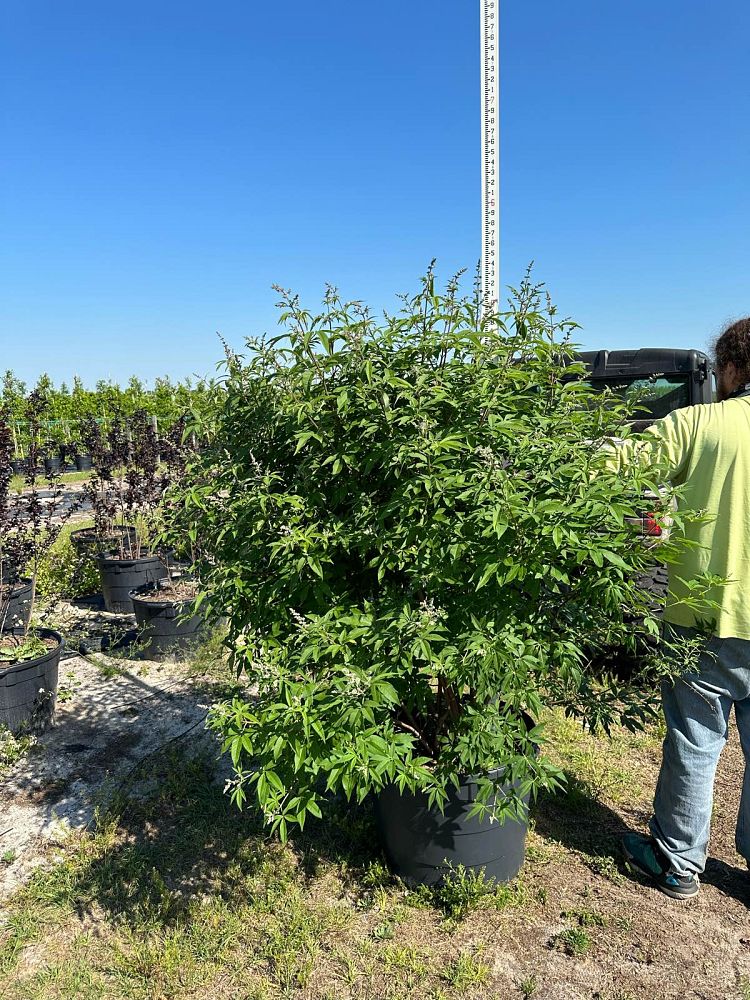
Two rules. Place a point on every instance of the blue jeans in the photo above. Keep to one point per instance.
(696, 710)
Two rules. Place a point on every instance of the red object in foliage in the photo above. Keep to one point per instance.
(650, 525)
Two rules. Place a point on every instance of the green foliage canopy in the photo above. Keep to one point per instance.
(409, 529)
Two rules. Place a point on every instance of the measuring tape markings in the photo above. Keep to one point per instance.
(490, 268)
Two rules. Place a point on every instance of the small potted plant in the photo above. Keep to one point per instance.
(167, 611)
(133, 469)
(29, 526)
(15, 593)
(416, 553)
(104, 490)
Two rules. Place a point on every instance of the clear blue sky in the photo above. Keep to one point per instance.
(163, 163)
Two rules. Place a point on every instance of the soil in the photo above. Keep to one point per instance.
(178, 592)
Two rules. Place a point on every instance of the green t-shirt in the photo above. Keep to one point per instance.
(707, 450)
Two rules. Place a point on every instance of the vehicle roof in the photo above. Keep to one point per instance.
(644, 361)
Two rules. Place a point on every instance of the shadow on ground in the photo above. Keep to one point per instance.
(179, 837)
(582, 823)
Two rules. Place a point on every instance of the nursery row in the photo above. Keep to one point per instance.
(65, 411)
(129, 543)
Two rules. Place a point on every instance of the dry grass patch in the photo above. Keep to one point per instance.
(177, 895)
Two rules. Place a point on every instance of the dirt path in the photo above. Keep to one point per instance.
(111, 714)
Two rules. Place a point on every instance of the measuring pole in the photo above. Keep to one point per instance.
(490, 48)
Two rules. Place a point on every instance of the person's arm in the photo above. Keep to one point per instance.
(665, 446)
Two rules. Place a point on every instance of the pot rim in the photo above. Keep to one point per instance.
(108, 557)
(42, 632)
(135, 597)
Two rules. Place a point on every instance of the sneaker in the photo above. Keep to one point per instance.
(644, 856)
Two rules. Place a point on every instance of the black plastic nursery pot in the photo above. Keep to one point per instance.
(28, 690)
(16, 612)
(52, 465)
(167, 628)
(83, 463)
(120, 576)
(424, 846)
(18, 465)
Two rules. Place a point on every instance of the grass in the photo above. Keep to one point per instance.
(467, 970)
(603, 767)
(13, 748)
(528, 986)
(175, 894)
(574, 941)
(18, 483)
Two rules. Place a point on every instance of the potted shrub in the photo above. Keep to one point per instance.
(134, 487)
(406, 528)
(29, 526)
(133, 469)
(53, 462)
(15, 593)
(167, 612)
(104, 490)
(168, 620)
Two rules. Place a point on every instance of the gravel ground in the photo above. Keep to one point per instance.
(111, 714)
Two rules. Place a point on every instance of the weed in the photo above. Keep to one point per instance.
(13, 748)
(466, 970)
(574, 941)
(528, 986)
(463, 891)
(376, 875)
(8, 857)
(586, 918)
(383, 931)
(604, 865)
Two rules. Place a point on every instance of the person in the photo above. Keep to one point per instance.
(706, 450)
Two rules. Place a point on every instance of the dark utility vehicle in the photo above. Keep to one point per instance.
(665, 379)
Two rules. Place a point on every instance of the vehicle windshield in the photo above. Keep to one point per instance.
(654, 396)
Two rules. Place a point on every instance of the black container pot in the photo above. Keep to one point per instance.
(17, 611)
(167, 628)
(28, 690)
(83, 463)
(52, 464)
(120, 576)
(86, 541)
(423, 846)
(18, 465)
